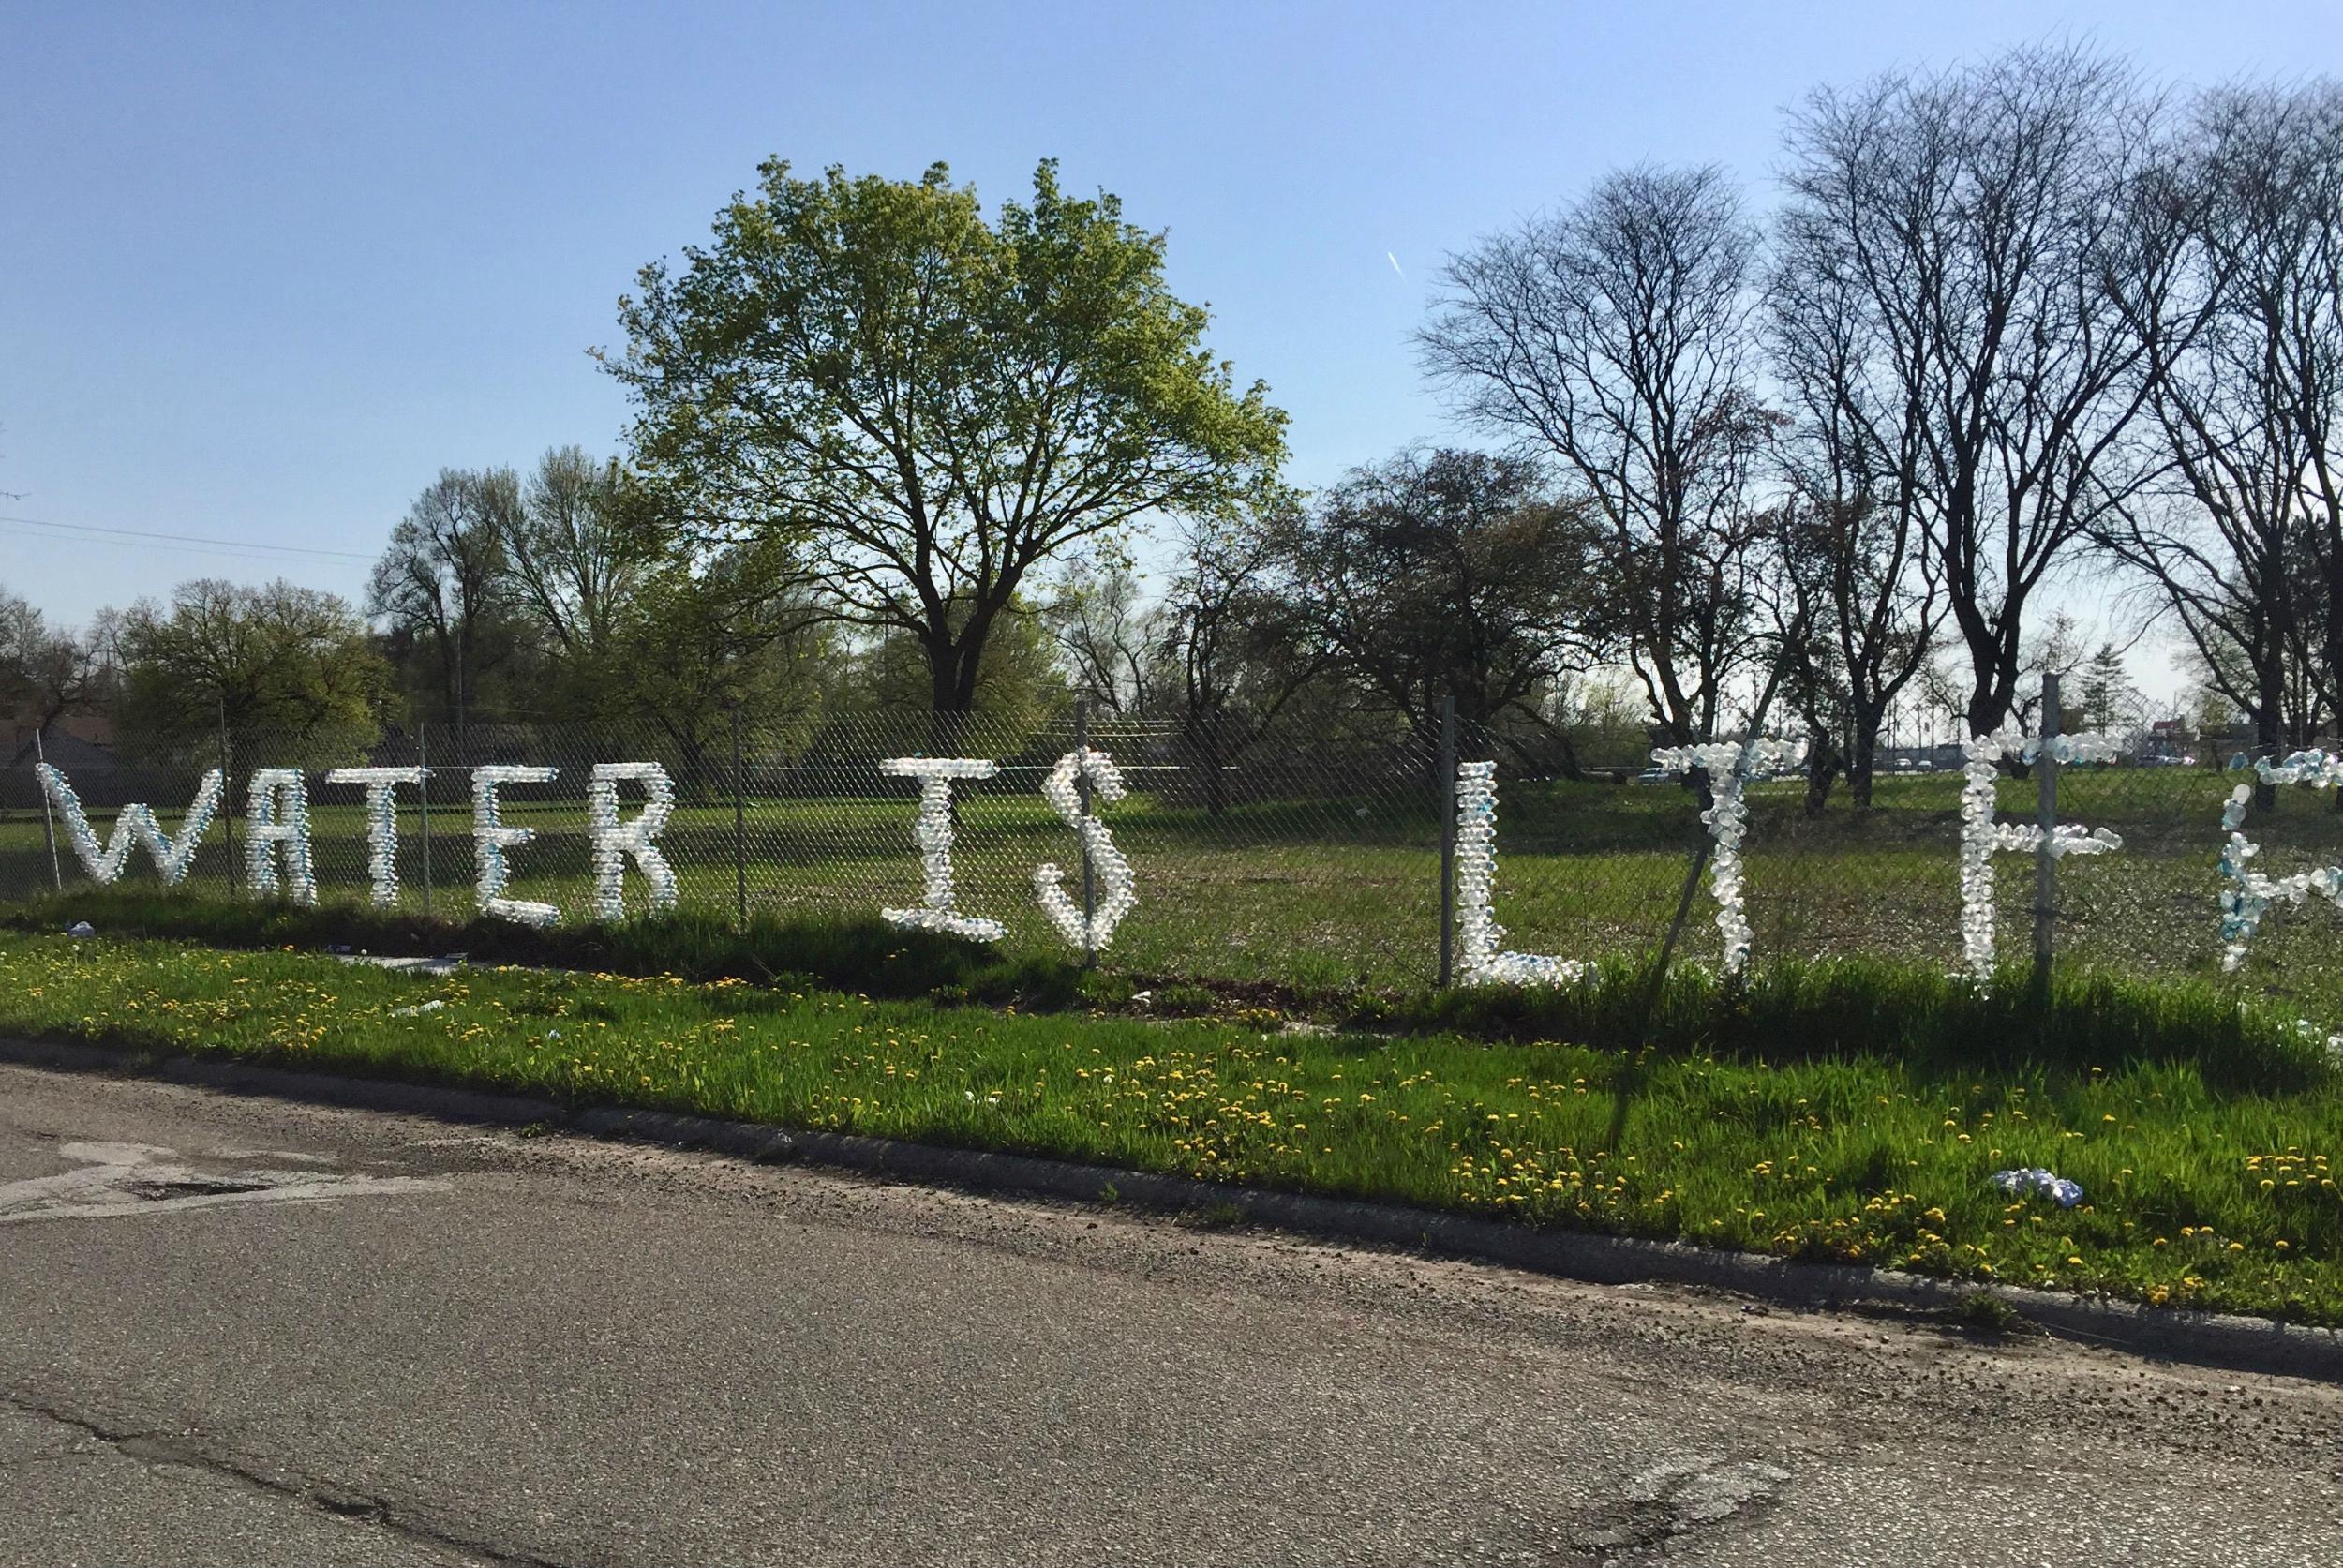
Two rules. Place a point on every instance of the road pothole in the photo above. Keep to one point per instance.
(114, 1179)
(1677, 1496)
(191, 1186)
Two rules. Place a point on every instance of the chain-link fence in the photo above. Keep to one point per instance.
(1264, 864)
(1592, 866)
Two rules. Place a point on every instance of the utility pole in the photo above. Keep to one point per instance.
(228, 790)
(423, 760)
(1445, 801)
(48, 823)
(1082, 790)
(2046, 864)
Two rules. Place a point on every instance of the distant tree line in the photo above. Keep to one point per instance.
(2016, 325)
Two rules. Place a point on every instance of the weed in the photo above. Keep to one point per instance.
(1982, 1312)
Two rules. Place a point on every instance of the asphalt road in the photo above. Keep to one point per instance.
(238, 1332)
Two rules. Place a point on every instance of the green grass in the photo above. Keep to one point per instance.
(1792, 1007)
(2205, 1156)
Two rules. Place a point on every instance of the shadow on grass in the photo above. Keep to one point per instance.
(1785, 1012)
(866, 956)
(1909, 1012)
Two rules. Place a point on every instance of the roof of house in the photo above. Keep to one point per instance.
(64, 749)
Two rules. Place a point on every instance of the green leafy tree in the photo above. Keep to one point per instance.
(690, 646)
(1446, 574)
(289, 671)
(928, 406)
(2110, 701)
(1020, 685)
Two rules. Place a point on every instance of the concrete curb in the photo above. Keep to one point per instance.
(2215, 1340)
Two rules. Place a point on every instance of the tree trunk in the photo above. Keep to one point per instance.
(1863, 764)
(2270, 695)
(951, 695)
(2335, 631)
(1991, 701)
(1822, 770)
(1203, 742)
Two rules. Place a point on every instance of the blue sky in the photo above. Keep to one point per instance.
(263, 271)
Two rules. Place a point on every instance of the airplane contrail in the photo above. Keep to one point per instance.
(1394, 264)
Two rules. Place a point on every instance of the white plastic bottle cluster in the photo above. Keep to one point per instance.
(491, 838)
(1480, 940)
(1117, 885)
(1730, 765)
(1982, 836)
(277, 833)
(134, 825)
(614, 841)
(2249, 894)
(933, 832)
(279, 853)
(381, 823)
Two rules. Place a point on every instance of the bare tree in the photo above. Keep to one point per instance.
(1235, 651)
(570, 555)
(440, 582)
(47, 673)
(1855, 615)
(2312, 675)
(1103, 627)
(1619, 336)
(1972, 218)
(1858, 573)
(2234, 301)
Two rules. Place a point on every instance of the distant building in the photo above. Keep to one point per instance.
(74, 741)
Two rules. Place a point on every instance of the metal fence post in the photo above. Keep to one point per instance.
(228, 791)
(48, 823)
(2045, 862)
(1445, 801)
(740, 832)
(423, 760)
(1082, 790)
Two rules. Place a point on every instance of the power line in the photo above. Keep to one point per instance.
(189, 539)
(212, 552)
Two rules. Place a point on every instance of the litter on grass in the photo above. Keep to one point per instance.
(2033, 1179)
